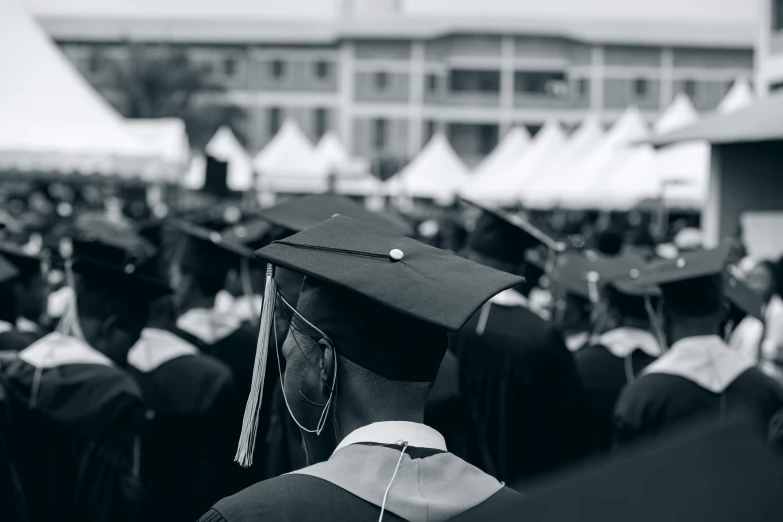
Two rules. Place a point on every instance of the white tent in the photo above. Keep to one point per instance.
(225, 146)
(739, 96)
(168, 137)
(484, 178)
(331, 151)
(52, 119)
(196, 173)
(436, 172)
(544, 191)
(289, 164)
(545, 148)
(611, 153)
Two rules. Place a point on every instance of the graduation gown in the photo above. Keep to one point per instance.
(521, 391)
(75, 421)
(187, 448)
(605, 368)
(698, 377)
(430, 484)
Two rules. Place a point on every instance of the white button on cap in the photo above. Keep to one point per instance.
(396, 254)
(215, 237)
(129, 269)
(634, 273)
(681, 263)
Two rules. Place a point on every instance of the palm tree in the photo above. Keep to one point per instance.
(158, 81)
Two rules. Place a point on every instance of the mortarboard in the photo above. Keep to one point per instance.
(208, 253)
(252, 233)
(721, 472)
(7, 270)
(368, 283)
(27, 265)
(743, 297)
(302, 213)
(506, 236)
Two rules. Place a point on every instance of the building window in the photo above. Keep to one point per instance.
(381, 81)
(322, 69)
(229, 67)
(379, 133)
(540, 82)
(582, 86)
(475, 81)
(278, 68)
(689, 87)
(94, 63)
(776, 87)
(777, 15)
(432, 82)
(640, 88)
(274, 120)
(429, 131)
(488, 138)
(320, 121)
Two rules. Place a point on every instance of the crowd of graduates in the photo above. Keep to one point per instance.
(318, 361)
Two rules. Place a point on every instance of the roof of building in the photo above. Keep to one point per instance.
(242, 31)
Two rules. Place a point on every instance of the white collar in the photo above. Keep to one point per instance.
(208, 325)
(24, 324)
(56, 349)
(622, 342)
(576, 341)
(5, 327)
(415, 434)
(157, 347)
(704, 360)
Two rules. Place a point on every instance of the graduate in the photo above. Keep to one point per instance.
(76, 414)
(573, 309)
(518, 380)
(23, 298)
(366, 339)
(191, 420)
(699, 375)
(623, 346)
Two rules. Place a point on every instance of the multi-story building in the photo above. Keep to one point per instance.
(387, 83)
(769, 47)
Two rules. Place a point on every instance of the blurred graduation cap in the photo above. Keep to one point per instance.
(7, 270)
(721, 472)
(26, 264)
(208, 253)
(692, 283)
(252, 233)
(743, 297)
(385, 300)
(505, 236)
(302, 213)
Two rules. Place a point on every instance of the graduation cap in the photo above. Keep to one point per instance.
(721, 472)
(385, 300)
(302, 213)
(744, 297)
(7, 270)
(251, 233)
(209, 253)
(505, 236)
(26, 264)
(692, 283)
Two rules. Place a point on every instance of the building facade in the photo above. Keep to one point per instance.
(386, 85)
(769, 47)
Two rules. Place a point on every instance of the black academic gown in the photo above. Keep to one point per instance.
(187, 448)
(75, 421)
(521, 391)
(430, 485)
(605, 368)
(699, 377)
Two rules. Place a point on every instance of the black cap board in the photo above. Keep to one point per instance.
(385, 300)
(721, 472)
(208, 253)
(302, 213)
(743, 297)
(506, 236)
(7, 270)
(249, 233)
(26, 264)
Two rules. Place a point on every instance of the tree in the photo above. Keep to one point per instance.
(159, 81)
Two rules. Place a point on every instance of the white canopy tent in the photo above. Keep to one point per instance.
(351, 175)
(545, 148)
(52, 119)
(482, 185)
(739, 96)
(611, 154)
(289, 164)
(544, 191)
(168, 137)
(225, 146)
(436, 172)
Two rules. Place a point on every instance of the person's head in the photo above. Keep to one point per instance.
(610, 241)
(692, 307)
(29, 287)
(368, 332)
(626, 306)
(7, 298)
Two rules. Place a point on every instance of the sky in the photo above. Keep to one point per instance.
(740, 11)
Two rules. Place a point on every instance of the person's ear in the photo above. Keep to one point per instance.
(327, 367)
